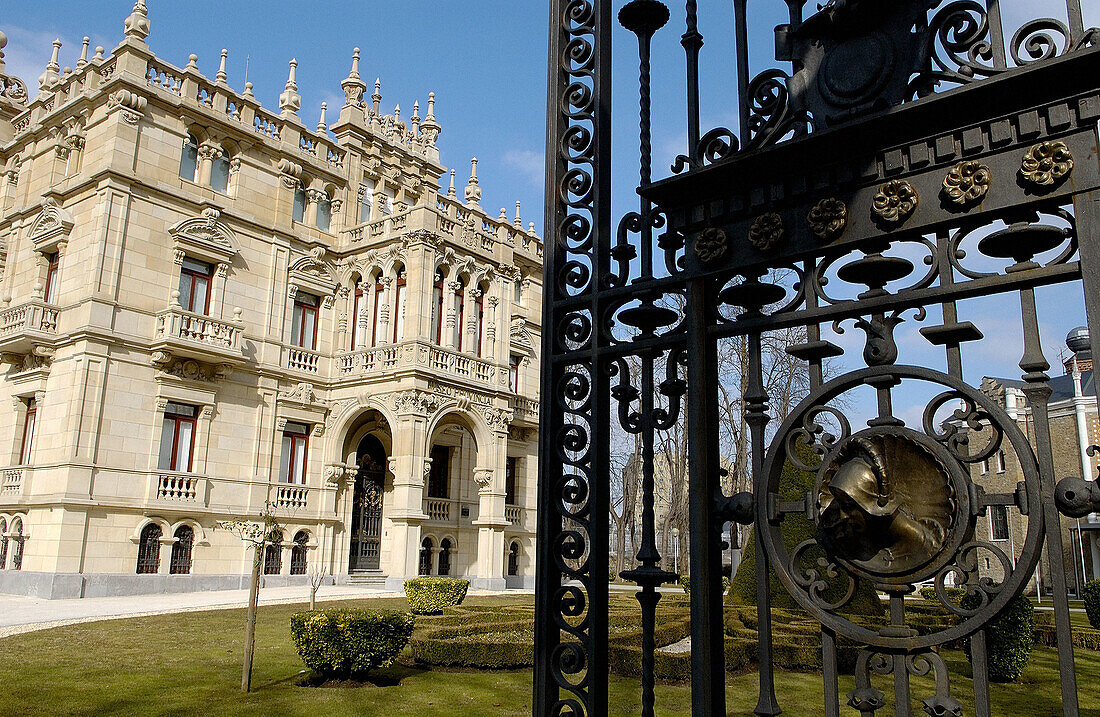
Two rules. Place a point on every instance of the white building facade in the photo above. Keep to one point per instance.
(207, 307)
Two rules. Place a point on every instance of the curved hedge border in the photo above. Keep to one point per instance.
(428, 596)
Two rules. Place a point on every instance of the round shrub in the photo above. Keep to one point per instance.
(685, 583)
(428, 596)
(1009, 638)
(1092, 602)
(344, 643)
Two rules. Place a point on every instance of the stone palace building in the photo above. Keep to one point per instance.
(207, 307)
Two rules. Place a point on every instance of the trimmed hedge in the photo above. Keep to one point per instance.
(1091, 594)
(1009, 638)
(685, 583)
(955, 595)
(428, 596)
(344, 643)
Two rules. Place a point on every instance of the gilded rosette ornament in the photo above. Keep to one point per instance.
(967, 183)
(711, 244)
(767, 231)
(1047, 163)
(828, 218)
(895, 201)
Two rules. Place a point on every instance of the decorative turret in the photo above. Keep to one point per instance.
(473, 190)
(518, 221)
(430, 128)
(354, 88)
(290, 101)
(321, 126)
(47, 79)
(1080, 347)
(451, 189)
(137, 25)
(83, 53)
(415, 119)
(222, 76)
(376, 98)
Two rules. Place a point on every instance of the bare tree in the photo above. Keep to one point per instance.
(316, 580)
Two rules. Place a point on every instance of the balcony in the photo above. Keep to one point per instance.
(296, 499)
(525, 411)
(26, 325)
(11, 483)
(184, 489)
(368, 361)
(187, 335)
(513, 514)
(438, 508)
(461, 365)
(304, 360)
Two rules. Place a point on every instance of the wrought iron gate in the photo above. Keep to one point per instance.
(915, 156)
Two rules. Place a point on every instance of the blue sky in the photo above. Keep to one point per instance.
(485, 61)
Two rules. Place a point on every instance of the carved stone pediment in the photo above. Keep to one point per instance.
(314, 274)
(52, 225)
(521, 336)
(303, 394)
(205, 237)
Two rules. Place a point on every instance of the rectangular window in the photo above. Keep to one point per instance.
(27, 442)
(460, 319)
(295, 450)
(367, 187)
(1000, 461)
(985, 466)
(439, 477)
(385, 201)
(356, 316)
(437, 310)
(510, 481)
(303, 328)
(299, 209)
(177, 439)
(195, 280)
(399, 308)
(513, 374)
(50, 294)
(998, 522)
(379, 297)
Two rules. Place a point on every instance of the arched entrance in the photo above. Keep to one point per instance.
(366, 512)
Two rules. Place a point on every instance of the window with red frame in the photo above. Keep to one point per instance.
(177, 439)
(513, 374)
(356, 315)
(303, 327)
(50, 294)
(437, 307)
(460, 315)
(399, 307)
(195, 280)
(295, 451)
(376, 310)
(27, 442)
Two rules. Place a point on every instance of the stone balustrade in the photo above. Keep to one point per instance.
(35, 316)
(11, 483)
(513, 514)
(438, 508)
(293, 498)
(187, 488)
(364, 361)
(524, 409)
(175, 323)
(461, 365)
(300, 359)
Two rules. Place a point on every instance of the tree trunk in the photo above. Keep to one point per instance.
(313, 597)
(250, 621)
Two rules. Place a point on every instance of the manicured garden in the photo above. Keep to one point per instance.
(190, 664)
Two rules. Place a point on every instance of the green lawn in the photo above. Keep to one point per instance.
(189, 664)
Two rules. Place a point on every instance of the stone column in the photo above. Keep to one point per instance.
(490, 477)
(409, 466)
(383, 326)
(472, 327)
(449, 307)
(313, 198)
(208, 152)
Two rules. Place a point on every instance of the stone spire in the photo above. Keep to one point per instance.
(290, 101)
(321, 126)
(50, 76)
(415, 119)
(376, 98)
(473, 190)
(83, 53)
(354, 88)
(137, 25)
(429, 127)
(451, 189)
(222, 76)
(518, 222)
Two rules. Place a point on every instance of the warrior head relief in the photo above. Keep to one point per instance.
(885, 503)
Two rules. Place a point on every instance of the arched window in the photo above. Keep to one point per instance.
(479, 316)
(219, 173)
(148, 561)
(426, 556)
(513, 558)
(324, 212)
(366, 189)
(376, 309)
(17, 544)
(3, 543)
(399, 305)
(273, 553)
(189, 159)
(357, 305)
(460, 314)
(445, 557)
(181, 551)
(299, 209)
(298, 553)
(437, 307)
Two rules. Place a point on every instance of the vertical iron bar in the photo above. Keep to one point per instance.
(708, 682)
(902, 704)
(692, 42)
(996, 33)
(756, 415)
(1038, 393)
(741, 34)
(1076, 22)
(830, 670)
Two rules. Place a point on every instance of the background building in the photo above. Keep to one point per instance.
(1073, 428)
(207, 306)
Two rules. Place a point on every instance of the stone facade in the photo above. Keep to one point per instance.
(1073, 429)
(207, 307)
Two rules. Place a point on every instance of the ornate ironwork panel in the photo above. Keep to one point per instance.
(366, 517)
(910, 157)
